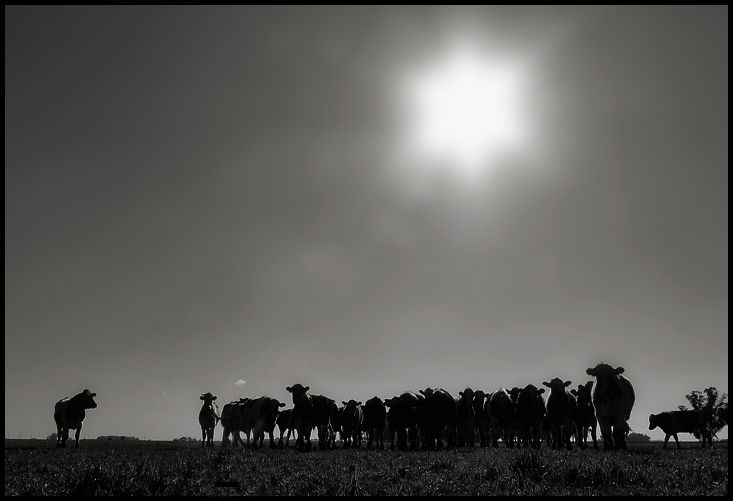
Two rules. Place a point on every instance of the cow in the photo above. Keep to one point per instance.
(561, 408)
(260, 417)
(613, 399)
(311, 411)
(674, 422)
(502, 411)
(208, 417)
(585, 415)
(69, 415)
(255, 416)
(530, 412)
(284, 424)
(375, 416)
(466, 416)
(481, 418)
(403, 419)
(351, 423)
(232, 422)
(438, 416)
(336, 427)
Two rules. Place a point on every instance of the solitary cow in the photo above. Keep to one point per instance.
(69, 415)
(530, 411)
(585, 415)
(351, 423)
(375, 415)
(613, 398)
(561, 408)
(674, 422)
(208, 417)
(311, 411)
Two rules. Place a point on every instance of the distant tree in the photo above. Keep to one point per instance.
(52, 436)
(714, 408)
(638, 437)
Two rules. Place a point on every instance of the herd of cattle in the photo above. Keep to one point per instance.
(430, 419)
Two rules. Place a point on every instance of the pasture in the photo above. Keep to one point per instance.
(36, 467)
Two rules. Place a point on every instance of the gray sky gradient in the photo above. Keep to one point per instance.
(199, 195)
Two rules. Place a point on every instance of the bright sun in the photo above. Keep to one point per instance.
(466, 112)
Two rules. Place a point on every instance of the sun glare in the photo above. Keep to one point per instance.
(466, 112)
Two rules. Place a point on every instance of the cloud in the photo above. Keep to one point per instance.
(240, 382)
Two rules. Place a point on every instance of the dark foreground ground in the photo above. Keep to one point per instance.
(36, 467)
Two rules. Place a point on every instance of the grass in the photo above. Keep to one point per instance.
(164, 468)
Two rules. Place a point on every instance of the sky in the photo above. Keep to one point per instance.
(217, 199)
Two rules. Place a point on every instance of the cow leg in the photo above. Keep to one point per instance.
(76, 437)
(676, 441)
(619, 437)
(59, 433)
(593, 436)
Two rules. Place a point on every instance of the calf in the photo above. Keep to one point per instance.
(674, 422)
(375, 415)
(284, 423)
(502, 410)
(530, 411)
(466, 416)
(69, 415)
(481, 419)
(351, 423)
(208, 417)
(585, 415)
(561, 407)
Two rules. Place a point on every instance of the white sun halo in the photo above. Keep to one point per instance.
(466, 112)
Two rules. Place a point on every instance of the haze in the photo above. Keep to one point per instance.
(212, 199)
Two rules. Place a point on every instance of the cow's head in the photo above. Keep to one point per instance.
(514, 394)
(653, 421)
(207, 397)
(299, 392)
(87, 399)
(389, 402)
(557, 384)
(351, 404)
(427, 392)
(467, 394)
(602, 371)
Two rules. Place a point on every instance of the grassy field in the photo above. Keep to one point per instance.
(36, 467)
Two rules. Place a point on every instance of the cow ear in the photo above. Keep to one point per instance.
(289, 389)
(280, 404)
(546, 383)
(619, 370)
(541, 390)
(214, 398)
(344, 402)
(460, 393)
(574, 392)
(358, 403)
(422, 392)
(567, 383)
(307, 388)
(94, 394)
(590, 372)
(201, 397)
